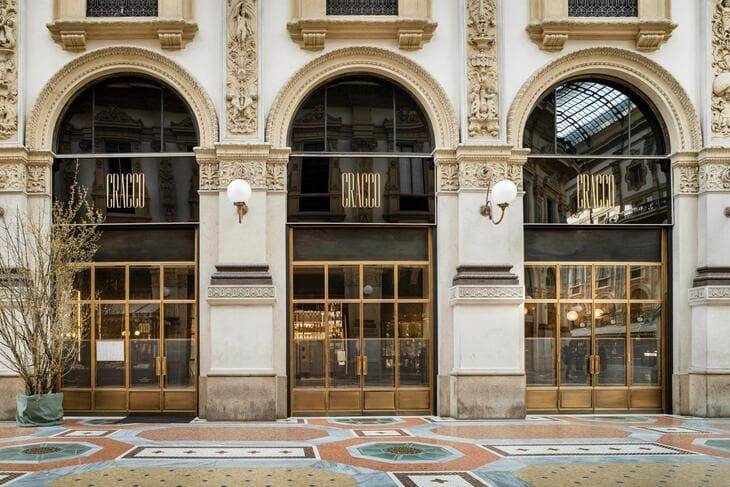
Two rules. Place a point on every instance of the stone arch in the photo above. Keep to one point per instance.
(365, 60)
(646, 76)
(117, 60)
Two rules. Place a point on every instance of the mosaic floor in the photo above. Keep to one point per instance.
(554, 451)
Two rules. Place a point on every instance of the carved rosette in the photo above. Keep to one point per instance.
(482, 68)
(252, 171)
(8, 69)
(242, 83)
(12, 176)
(714, 177)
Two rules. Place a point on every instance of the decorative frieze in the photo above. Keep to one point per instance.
(482, 68)
(237, 294)
(699, 296)
(8, 69)
(242, 85)
(12, 176)
(721, 68)
(37, 179)
(481, 175)
(714, 177)
(687, 177)
(486, 294)
(252, 171)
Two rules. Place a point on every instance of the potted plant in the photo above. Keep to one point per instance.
(39, 317)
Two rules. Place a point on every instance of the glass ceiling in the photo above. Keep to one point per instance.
(584, 108)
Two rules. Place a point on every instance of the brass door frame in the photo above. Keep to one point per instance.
(362, 366)
(121, 395)
(594, 387)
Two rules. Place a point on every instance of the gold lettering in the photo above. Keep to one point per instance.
(360, 190)
(595, 191)
(125, 191)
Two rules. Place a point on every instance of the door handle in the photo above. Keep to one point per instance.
(591, 365)
(365, 364)
(164, 366)
(358, 362)
(158, 366)
(598, 364)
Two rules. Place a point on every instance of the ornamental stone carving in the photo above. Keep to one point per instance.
(482, 68)
(209, 176)
(12, 176)
(481, 175)
(242, 97)
(449, 177)
(688, 179)
(699, 296)
(480, 294)
(37, 182)
(714, 177)
(721, 68)
(275, 176)
(8, 69)
(252, 171)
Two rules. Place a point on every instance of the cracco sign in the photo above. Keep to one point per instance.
(125, 191)
(361, 190)
(596, 191)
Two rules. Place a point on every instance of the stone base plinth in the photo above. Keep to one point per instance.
(488, 396)
(233, 398)
(708, 395)
(9, 388)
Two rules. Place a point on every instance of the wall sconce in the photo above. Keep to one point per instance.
(503, 194)
(239, 193)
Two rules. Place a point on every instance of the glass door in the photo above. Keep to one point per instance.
(361, 337)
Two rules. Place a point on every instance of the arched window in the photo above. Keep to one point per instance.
(131, 140)
(361, 152)
(599, 154)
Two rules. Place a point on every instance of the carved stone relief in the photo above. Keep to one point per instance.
(252, 171)
(480, 175)
(688, 179)
(12, 176)
(242, 78)
(714, 177)
(721, 68)
(8, 69)
(482, 68)
(37, 181)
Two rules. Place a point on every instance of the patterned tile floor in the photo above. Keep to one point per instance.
(549, 451)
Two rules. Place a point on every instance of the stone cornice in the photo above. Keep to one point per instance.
(236, 295)
(21, 171)
(483, 165)
(486, 295)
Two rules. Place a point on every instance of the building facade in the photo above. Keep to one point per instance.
(367, 276)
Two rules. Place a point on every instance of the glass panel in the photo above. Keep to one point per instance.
(540, 282)
(308, 128)
(82, 283)
(144, 283)
(603, 8)
(378, 282)
(646, 322)
(171, 244)
(343, 363)
(109, 323)
(180, 134)
(413, 361)
(180, 345)
(179, 283)
(412, 131)
(308, 282)
(413, 320)
(344, 282)
(575, 343)
(110, 283)
(309, 329)
(144, 344)
(362, 7)
(344, 320)
(539, 134)
(78, 373)
(575, 282)
(540, 332)
(412, 282)
(611, 282)
(646, 282)
(378, 331)
(610, 325)
(360, 115)
(74, 133)
(615, 244)
(121, 8)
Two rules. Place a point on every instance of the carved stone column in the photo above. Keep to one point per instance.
(487, 379)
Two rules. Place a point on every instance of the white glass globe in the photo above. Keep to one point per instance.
(239, 191)
(572, 315)
(504, 192)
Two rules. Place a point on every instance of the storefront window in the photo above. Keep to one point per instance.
(598, 155)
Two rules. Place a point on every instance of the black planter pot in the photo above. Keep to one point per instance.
(39, 410)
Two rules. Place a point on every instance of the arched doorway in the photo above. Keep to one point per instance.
(129, 139)
(597, 212)
(361, 211)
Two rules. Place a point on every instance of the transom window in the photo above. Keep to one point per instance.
(362, 7)
(603, 8)
(598, 155)
(121, 8)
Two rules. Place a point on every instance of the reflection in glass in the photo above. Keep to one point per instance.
(180, 345)
(646, 343)
(344, 282)
(412, 282)
(309, 331)
(611, 282)
(82, 283)
(540, 332)
(540, 282)
(144, 344)
(575, 282)
(610, 329)
(144, 283)
(308, 282)
(378, 333)
(344, 320)
(109, 327)
(179, 283)
(110, 283)
(378, 282)
(343, 364)
(646, 282)
(413, 320)
(575, 343)
(413, 361)
(78, 372)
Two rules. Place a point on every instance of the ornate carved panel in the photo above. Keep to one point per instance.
(687, 177)
(482, 68)
(721, 68)
(8, 69)
(714, 177)
(12, 177)
(252, 171)
(242, 79)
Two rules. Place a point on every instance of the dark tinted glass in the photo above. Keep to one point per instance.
(126, 114)
(592, 244)
(361, 114)
(171, 244)
(361, 190)
(358, 243)
(596, 117)
(134, 190)
(606, 191)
